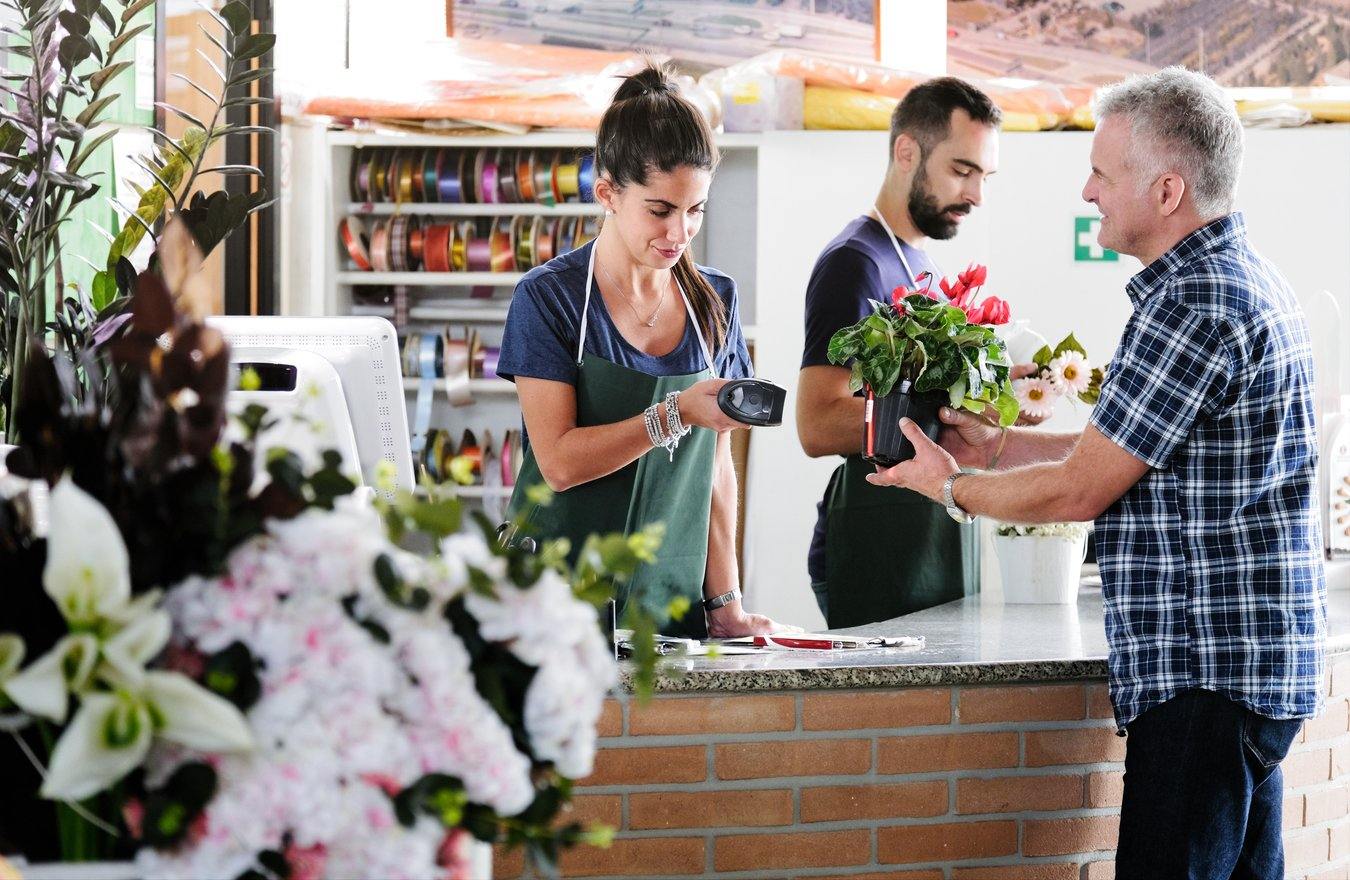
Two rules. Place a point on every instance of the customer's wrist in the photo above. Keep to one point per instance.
(992, 458)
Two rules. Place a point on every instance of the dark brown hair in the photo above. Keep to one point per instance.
(925, 114)
(650, 127)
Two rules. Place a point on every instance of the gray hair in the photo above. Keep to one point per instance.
(1183, 119)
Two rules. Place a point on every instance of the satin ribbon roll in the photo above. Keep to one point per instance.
(415, 170)
(506, 175)
(355, 241)
(545, 190)
(545, 233)
(477, 250)
(468, 176)
(427, 458)
(401, 227)
(436, 247)
(427, 349)
(358, 180)
(486, 168)
(522, 236)
(567, 181)
(436, 453)
(566, 234)
(586, 178)
(587, 229)
(525, 175)
(379, 246)
(459, 246)
(503, 255)
(415, 245)
(456, 365)
(491, 356)
(467, 466)
(447, 177)
(408, 173)
(379, 171)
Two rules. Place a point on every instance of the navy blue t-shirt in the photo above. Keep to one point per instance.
(540, 337)
(858, 266)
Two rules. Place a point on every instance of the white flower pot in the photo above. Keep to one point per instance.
(77, 870)
(1040, 569)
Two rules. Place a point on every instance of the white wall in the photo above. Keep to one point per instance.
(812, 183)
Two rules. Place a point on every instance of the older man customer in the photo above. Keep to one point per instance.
(1198, 467)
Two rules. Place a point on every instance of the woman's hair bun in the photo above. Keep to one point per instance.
(650, 80)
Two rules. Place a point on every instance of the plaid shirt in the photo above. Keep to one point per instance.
(1212, 563)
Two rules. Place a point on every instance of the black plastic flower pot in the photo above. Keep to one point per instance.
(883, 442)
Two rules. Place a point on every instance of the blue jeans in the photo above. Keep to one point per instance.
(1203, 791)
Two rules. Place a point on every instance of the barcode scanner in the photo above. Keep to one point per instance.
(753, 402)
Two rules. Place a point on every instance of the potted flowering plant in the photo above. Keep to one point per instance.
(1040, 564)
(1063, 371)
(918, 352)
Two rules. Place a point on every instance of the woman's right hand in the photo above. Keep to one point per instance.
(698, 407)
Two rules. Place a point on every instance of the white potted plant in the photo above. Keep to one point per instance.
(1040, 564)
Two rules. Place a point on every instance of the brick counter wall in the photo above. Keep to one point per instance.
(1019, 782)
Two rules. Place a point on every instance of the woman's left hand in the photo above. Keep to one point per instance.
(732, 621)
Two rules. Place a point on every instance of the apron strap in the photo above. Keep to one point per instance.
(875, 213)
(688, 307)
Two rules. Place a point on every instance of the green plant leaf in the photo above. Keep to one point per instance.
(75, 22)
(1043, 356)
(88, 148)
(233, 169)
(99, 78)
(89, 116)
(1006, 404)
(105, 15)
(1068, 344)
(214, 99)
(135, 9)
(236, 14)
(125, 37)
(220, 74)
(74, 49)
(244, 79)
(183, 114)
(253, 46)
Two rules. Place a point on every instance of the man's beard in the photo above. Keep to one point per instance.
(927, 214)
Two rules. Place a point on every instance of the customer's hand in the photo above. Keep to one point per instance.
(732, 621)
(698, 407)
(968, 438)
(925, 472)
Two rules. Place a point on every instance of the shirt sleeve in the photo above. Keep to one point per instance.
(733, 361)
(841, 286)
(1170, 372)
(539, 340)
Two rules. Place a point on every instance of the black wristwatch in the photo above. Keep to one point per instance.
(718, 601)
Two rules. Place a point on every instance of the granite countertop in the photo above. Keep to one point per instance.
(969, 641)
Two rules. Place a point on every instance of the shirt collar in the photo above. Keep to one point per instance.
(1212, 236)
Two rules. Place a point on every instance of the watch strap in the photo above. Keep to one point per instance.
(724, 599)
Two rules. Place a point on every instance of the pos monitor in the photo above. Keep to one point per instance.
(341, 376)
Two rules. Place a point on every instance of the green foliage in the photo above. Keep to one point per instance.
(931, 346)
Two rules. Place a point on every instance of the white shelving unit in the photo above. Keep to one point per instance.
(319, 279)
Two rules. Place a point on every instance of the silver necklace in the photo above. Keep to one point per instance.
(649, 322)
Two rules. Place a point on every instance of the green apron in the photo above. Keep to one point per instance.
(652, 489)
(890, 551)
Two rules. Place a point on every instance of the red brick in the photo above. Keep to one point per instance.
(946, 842)
(1332, 723)
(1305, 850)
(1291, 812)
(960, 751)
(832, 803)
(1044, 871)
(611, 719)
(1091, 745)
(507, 864)
(1100, 871)
(648, 765)
(709, 809)
(741, 713)
(817, 757)
(930, 874)
(1106, 789)
(872, 709)
(1326, 804)
(806, 849)
(1058, 837)
(1015, 794)
(1307, 768)
(636, 856)
(1099, 701)
(593, 809)
(983, 705)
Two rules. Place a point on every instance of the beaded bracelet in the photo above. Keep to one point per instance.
(652, 419)
(673, 421)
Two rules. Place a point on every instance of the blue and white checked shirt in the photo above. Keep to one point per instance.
(1212, 563)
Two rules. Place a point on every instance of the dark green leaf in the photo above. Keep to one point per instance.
(233, 169)
(253, 46)
(1043, 356)
(88, 148)
(215, 41)
(1069, 344)
(236, 14)
(75, 22)
(248, 101)
(99, 78)
(214, 99)
(182, 114)
(126, 37)
(105, 15)
(74, 49)
(135, 9)
(220, 74)
(89, 116)
(244, 79)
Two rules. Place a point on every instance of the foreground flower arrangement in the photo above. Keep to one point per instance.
(223, 682)
(1061, 372)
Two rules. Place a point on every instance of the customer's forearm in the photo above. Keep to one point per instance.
(1038, 493)
(1025, 446)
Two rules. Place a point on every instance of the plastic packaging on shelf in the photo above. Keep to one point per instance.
(482, 82)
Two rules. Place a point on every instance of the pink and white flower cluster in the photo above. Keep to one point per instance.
(344, 719)
(1067, 374)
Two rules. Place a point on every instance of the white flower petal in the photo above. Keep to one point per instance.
(42, 689)
(195, 717)
(84, 761)
(87, 571)
(136, 645)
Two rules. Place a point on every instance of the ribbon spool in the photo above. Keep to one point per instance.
(448, 177)
(430, 184)
(525, 175)
(485, 173)
(477, 250)
(459, 244)
(415, 242)
(390, 164)
(566, 234)
(354, 239)
(423, 355)
(503, 255)
(456, 366)
(522, 234)
(401, 227)
(378, 172)
(408, 176)
(416, 171)
(379, 246)
(358, 178)
(436, 244)
(467, 466)
(587, 229)
(586, 178)
(487, 364)
(506, 175)
(545, 189)
(545, 233)
(567, 181)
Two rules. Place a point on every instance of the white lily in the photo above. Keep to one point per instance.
(107, 739)
(88, 573)
(136, 644)
(111, 733)
(45, 686)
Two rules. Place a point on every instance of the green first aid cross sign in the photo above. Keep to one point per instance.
(1085, 247)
